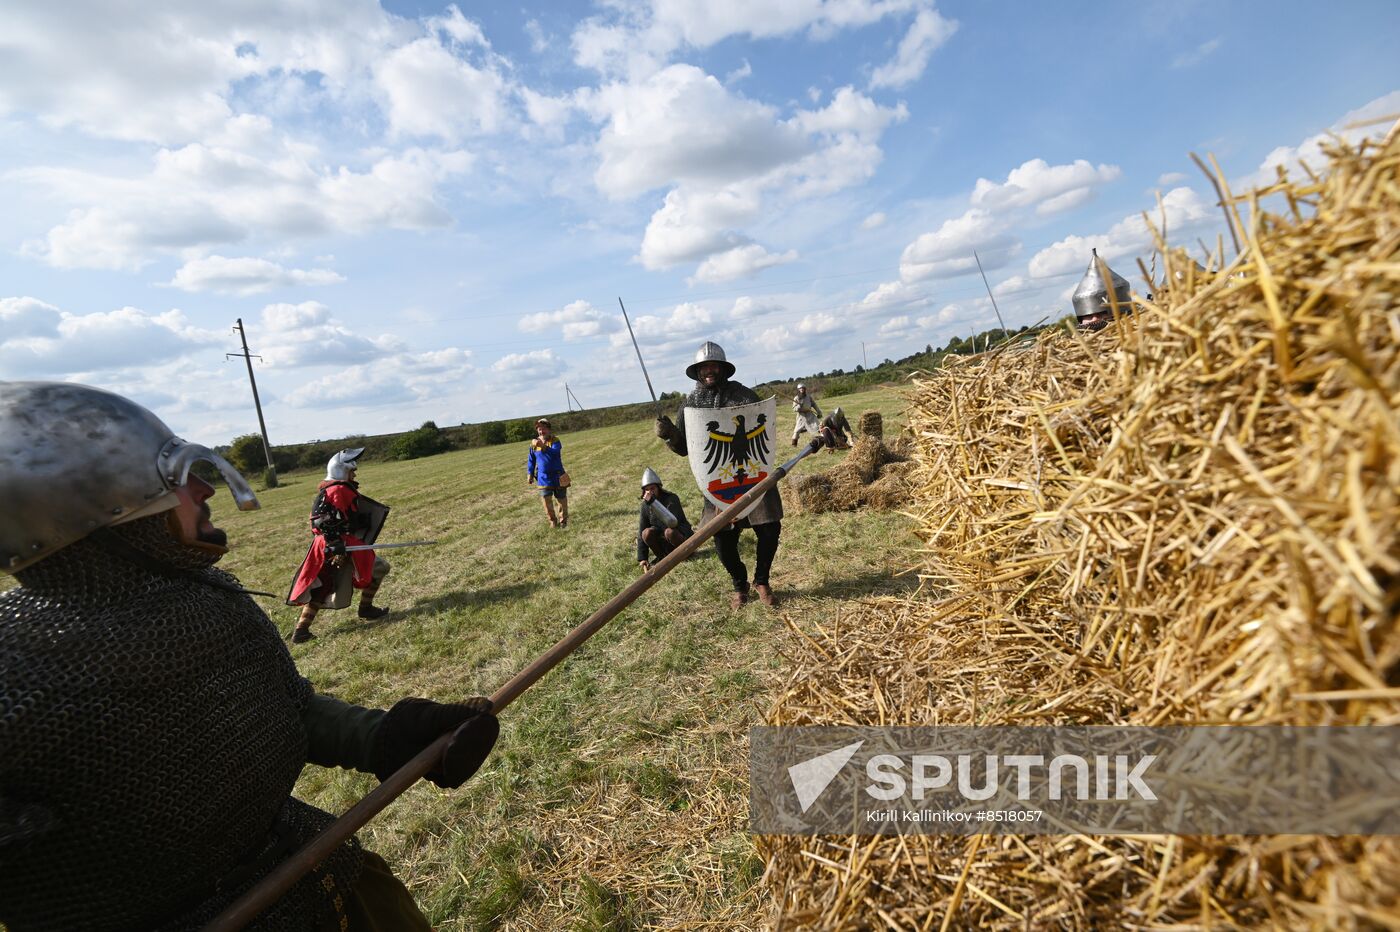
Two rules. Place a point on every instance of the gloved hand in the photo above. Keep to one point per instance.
(665, 428)
(335, 546)
(413, 724)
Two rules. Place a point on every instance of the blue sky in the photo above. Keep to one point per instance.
(426, 211)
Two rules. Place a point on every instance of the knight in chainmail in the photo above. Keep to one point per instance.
(152, 722)
(807, 411)
(714, 388)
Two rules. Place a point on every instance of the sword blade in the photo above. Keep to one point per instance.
(411, 543)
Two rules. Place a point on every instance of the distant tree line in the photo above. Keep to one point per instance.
(246, 452)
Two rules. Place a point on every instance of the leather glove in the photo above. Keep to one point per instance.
(413, 724)
(665, 428)
(335, 546)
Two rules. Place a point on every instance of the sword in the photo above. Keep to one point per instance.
(639, 355)
(411, 543)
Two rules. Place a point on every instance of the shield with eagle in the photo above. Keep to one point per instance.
(731, 449)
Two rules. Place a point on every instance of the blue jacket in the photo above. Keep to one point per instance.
(544, 466)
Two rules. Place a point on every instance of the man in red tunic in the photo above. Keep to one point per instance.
(340, 517)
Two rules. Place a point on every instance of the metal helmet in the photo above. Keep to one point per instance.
(1092, 295)
(801, 387)
(709, 352)
(838, 414)
(75, 458)
(339, 466)
(649, 477)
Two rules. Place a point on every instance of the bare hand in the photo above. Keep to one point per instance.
(646, 567)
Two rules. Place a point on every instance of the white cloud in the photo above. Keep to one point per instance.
(947, 251)
(637, 37)
(682, 125)
(1186, 213)
(305, 334)
(429, 90)
(519, 368)
(401, 379)
(873, 221)
(739, 262)
(1310, 151)
(204, 195)
(46, 342)
(850, 111)
(927, 33)
(164, 71)
(819, 323)
(1168, 179)
(1049, 188)
(538, 40)
(577, 320)
(896, 325)
(246, 276)
(726, 159)
(1198, 54)
(24, 318)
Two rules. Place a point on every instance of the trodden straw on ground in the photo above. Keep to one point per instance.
(1192, 516)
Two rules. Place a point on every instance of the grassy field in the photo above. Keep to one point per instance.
(617, 796)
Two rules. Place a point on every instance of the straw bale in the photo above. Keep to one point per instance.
(872, 425)
(864, 460)
(1192, 516)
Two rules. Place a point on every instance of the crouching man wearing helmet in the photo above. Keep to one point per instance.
(340, 517)
(662, 526)
(154, 723)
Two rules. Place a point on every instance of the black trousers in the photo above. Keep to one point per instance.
(727, 545)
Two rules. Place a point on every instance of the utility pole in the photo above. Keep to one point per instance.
(572, 395)
(262, 425)
(989, 294)
(863, 357)
(567, 401)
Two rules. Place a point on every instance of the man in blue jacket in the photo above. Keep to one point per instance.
(545, 468)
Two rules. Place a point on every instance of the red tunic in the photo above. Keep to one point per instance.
(343, 497)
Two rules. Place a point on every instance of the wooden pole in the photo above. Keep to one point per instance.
(262, 425)
(266, 892)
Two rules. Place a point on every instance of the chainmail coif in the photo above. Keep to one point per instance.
(150, 736)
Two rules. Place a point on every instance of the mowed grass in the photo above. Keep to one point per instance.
(617, 795)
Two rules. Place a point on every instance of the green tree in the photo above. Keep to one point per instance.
(425, 441)
(493, 432)
(246, 455)
(519, 430)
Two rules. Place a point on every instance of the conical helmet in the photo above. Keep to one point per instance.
(649, 477)
(709, 352)
(340, 465)
(75, 458)
(1092, 295)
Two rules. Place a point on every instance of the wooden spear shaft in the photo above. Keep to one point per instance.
(267, 891)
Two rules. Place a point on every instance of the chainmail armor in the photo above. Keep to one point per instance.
(150, 737)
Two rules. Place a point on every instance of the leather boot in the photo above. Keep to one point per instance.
(368, 610)
(302, 633)
(738, 599)
(765, 594)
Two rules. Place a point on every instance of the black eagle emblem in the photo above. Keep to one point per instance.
(739, 449)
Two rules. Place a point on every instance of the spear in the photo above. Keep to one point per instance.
(639, 355)
(262, 895)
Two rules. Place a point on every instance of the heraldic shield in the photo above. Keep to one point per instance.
(731, 449)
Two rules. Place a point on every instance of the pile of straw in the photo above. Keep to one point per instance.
(873, 475)
(1191, 517)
